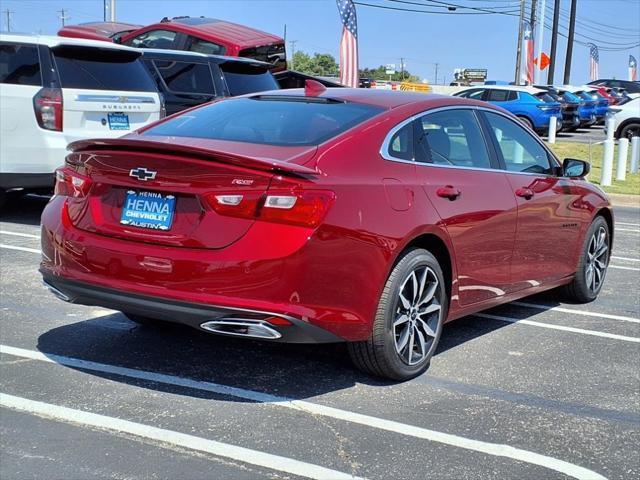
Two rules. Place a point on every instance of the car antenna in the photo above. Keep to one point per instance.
(313, 88)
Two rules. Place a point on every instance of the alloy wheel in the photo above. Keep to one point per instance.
(597, 259)
(417, 315)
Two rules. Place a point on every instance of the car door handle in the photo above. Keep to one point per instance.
(452, 193)
(524, 192)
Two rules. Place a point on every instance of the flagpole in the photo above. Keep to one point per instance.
(538, 44)
(519, 50)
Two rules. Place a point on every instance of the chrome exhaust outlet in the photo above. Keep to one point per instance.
(56, 292)
(242, 328)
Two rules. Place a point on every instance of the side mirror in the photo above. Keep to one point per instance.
(575, 168)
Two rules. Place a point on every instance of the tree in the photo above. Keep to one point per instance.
(380, 73)
(321, 64)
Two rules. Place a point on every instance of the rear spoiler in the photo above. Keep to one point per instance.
(253, 162)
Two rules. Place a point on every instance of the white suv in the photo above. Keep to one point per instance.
(55, 90)
(627, 119)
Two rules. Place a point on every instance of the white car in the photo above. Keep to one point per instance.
(627, 119)
(55, 90)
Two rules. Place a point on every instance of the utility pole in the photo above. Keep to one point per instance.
(533, 13)
(109, 10)
(572, 27)
(519, 50)
(8, 13)
(63, 17)
(293, 50)
(436, 79)
(554, 41)
(402, 68)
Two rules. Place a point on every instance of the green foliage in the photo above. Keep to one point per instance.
(380, 74)
(325, 65)
(320, 64)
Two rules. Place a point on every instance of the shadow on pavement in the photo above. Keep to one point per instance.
(25, 210)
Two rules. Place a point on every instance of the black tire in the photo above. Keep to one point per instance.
(581, 289)
(526, 122)
(145, 321)
(631, 130)
(379, 355)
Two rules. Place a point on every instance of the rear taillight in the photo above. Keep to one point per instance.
(47, 105)
(306, 208)
(70, 183)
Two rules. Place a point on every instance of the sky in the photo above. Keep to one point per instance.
(385, 35)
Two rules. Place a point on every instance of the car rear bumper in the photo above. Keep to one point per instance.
(291, 272)
(228, 321)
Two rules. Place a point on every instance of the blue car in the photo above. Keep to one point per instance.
(532, 111)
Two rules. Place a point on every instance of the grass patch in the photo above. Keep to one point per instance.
(631, 186)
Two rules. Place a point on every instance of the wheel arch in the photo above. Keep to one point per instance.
(605, 213)
(439, 249)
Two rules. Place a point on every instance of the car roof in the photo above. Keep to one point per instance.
(103, 27)
(56, 41)
(516, 88)
(240, 35)
(387, 99)
(186, 55)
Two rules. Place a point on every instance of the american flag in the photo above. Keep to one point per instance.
(348, 43)
(528, 53)
(633, 68)
(594, 60)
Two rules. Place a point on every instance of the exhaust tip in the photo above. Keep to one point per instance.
(56, 292)
(242, 328)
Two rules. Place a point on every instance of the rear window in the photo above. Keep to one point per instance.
(19, 64)
(285, 121)
(274, 54)
(243, 79)
(102, 69)
(186, 77)
(545, 97)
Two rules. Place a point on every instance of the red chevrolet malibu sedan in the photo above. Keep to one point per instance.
(325, 215)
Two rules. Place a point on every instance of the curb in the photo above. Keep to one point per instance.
(623, 200)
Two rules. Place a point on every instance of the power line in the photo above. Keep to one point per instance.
(436, 12)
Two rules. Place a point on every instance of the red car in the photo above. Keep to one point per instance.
(106, 31)
(325, 215)
(210, 36)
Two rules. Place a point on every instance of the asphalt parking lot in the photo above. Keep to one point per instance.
(534, 390)
(593, 134)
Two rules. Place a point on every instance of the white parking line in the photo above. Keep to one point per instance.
(241, 454)
(498, 450)
(577, 312)
(630, 224)
(19, 234)
(634, 230)
(583, 331)
(22, 249)
(618, 267)
(626, 259)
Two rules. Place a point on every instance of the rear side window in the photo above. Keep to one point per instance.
(243, 79)
(451, 137)
(401, 143)
(285, 121)
(186, 77)
(202, 46)
(502, 95)
(19, 64)
(102, 69)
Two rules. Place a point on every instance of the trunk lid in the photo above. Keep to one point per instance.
(175, 179)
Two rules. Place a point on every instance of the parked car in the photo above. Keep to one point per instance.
(569, 106)
(105, 31)
(56, 90)
(602, 103)
(187, 79)
(627, 119)
(632, 87)
(587, 108)
(210, 36)
(325, 215)
(534, 112)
